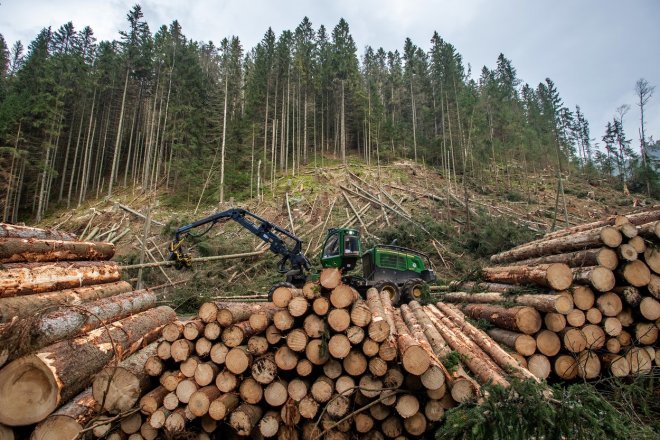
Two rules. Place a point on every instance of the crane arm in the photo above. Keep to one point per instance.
(268, 232)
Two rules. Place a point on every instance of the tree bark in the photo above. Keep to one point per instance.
(559, 303)
(22, 306)
(590, 257)
(119, 388)
(69, 420)
(28, 232)
(63, 369)
(607, 235)
(557, 276)
(23, 250)
(31, 278)
(520, 319)
(67, 322)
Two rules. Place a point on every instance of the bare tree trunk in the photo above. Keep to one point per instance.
(224, 138)
(115, 155)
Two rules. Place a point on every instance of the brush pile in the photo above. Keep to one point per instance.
(598, 310)
(65, 315)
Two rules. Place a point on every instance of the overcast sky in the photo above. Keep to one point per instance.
(594, 50)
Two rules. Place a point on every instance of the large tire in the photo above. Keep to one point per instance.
(275, 286)
(412, 290)
(391, 288)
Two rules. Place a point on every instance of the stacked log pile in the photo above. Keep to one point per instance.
(65, 316)
(315, 362)
(598, 311)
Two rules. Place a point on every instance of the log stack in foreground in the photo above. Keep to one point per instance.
(65, 317)
(316, 362)
(604, 321)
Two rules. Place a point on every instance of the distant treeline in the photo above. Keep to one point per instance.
(78, 118)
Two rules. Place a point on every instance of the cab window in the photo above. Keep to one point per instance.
(331, 248)
(351, 245)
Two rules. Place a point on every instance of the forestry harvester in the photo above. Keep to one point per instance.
(400, 271)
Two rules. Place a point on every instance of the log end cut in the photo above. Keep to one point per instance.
(28, 391)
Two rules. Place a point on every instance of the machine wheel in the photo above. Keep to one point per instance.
(392, 290)
(275, 286)
(413, 290)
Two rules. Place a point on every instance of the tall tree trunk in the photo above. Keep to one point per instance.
(224, 138)
(115, 155)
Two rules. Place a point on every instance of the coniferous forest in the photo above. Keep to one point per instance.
(80, 118)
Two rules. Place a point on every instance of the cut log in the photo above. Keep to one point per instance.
(478, 362)
(606, 235)
(264, 369)
(554, 322)
(576, 318)
(416, 424)
(343, 296)
(170, 379)
(370, 347)
(223, 406)
(333, 369)
(646, 333)
(650, 230)
(604, 256)
(548, 343)
(152, 400)
(297, 339)
(311, 290)
(522, 343)
(68, 421)
(566, 367)
(379, 329)
(594, 316)
(636, 273)
(598, 277)
(68, 322)
(245, 418)
(251, 391)
(22, 306)
(355, 363)
(573, 340)
(237, 334)
(57, 373)
(298, 306)
(521, 319)
(273, 335)
(283, 295)
(414, 358)
(539, 366)
(131, 424)
(649, 308)
(185, 389)
(588, 364)
(308, 407)
(484, 342)
(595, 336)
(269, 424)
(638, 243)
(339, 346)
(652, 258)
(612, 345)
(205, 373)
(583, 297)
(630, 295)
(315, 352)
(609, 304)
(232, 313)
(226, 381)
(283, 320)
(117, 389)
(559, 303)
(617, 365)
(287, 360)
(181, 350)
(23, 250)
(434, 377)
(28, 232)
(339, 320)
(30, 278)
(556, 276)
(360, 313)
(639, 360)
(321, 306)
(297, 389)
(314, 326)
(627, 252)
(212, 331)
(193, 329)
(330, 277)
(654, 286)
(176, 421)
(276, 393)
(203, 347)
(238, 360)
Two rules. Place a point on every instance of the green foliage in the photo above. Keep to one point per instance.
(488, 237)
(451, 361)
(522, 412)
